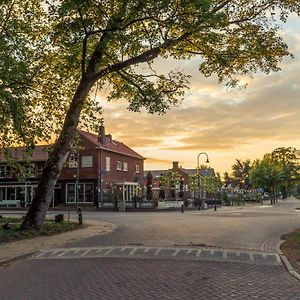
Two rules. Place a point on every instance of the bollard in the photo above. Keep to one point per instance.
(182, 208)
(215, 207)
(80, 215)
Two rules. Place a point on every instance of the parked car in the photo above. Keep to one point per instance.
(265, 196)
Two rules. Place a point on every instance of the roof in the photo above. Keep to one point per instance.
(110, 145)
(203, 172)
(40, 153)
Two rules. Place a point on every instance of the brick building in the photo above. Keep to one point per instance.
(184, 173)
(106, 167)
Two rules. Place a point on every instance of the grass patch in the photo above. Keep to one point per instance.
(14, 233)
(291, 248)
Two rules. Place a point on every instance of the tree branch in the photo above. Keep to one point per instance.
(147, 56)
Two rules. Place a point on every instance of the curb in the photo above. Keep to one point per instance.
(286, 262)
(289, 267)
(6, 261)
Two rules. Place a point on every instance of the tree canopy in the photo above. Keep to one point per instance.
(47, 47)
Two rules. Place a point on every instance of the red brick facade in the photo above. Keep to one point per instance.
(103, 165)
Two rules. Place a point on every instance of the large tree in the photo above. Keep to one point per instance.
(55, 52)
(267, 174)
(240, 173)
(289, 157)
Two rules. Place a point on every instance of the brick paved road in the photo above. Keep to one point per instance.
(134, 279)
(253, 227)
(119, 266)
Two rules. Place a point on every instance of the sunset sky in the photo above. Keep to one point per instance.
(226, 124)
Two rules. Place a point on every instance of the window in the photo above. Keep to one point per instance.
(87, 161)
(119, 165)
(85, 193)
(137, 169)
(107, 163)
(72, 161)
(125, 166)
(2, 171)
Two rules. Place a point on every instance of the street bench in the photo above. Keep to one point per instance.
(7, 203)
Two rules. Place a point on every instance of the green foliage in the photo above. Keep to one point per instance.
(47, 48)
(240, 173)
(266, 173)
(14, 233)
(170, 179)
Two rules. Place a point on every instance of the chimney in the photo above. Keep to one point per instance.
(175, 165)
(101, 134)
(108, 138)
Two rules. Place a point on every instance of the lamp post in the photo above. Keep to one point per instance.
(201, 204)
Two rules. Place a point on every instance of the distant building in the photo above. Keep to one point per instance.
(105, 167)
(184, 173)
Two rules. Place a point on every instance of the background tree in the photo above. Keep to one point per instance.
(149, 194)
(267, 174)
(290, 159)
(69, 47)
(169, 181)
(240, 173)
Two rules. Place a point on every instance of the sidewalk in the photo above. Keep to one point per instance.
(15, 250)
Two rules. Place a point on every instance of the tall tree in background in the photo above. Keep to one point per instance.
(55, 52)
(267, 174)
(289, 157)
(240, 173)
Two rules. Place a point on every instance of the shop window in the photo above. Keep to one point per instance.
(85, 193)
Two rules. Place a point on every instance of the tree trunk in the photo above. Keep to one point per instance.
(36, 214)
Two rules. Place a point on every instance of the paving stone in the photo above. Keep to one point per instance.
(142, 279)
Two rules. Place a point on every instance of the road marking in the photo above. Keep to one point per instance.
(41, 254)
(109, 250)
(157, 251)
(205, 253)
(63, 253)
(132, 251)
(85, 252)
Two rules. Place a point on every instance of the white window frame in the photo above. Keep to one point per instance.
(87, 161)
(83, 184)
(119, 165)
(125, 166)
(137, 169)
(107, 163)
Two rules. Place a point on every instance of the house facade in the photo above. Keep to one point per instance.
(101, 169)
(183, 173)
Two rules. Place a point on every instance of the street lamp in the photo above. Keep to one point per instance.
(201, 204)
